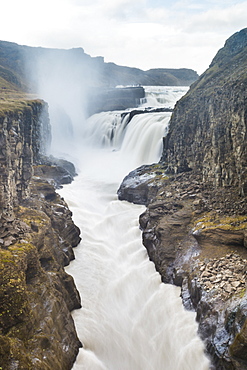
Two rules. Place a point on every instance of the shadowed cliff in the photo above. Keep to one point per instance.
(208, 129)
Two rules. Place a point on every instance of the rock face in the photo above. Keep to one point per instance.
(37, 235)
(195, 225)
(209, 126)
(23, 135)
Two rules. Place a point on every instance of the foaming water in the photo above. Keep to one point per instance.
(129, 320)
(157, 96)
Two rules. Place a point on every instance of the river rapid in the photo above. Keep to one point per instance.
(129, 319)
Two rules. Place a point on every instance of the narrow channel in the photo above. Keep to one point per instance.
(129, 320)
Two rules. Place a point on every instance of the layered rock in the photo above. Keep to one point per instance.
(37, 235)
(208, 127)
(24, 135)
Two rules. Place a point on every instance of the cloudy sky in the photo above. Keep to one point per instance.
(137, 33)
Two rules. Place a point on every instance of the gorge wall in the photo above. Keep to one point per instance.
(208, 128)
(37, 235)
(24, 136)
(195, 225)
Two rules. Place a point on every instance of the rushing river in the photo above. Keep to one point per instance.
(129, 320)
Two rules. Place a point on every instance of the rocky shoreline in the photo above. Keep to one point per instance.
(195, 225)
(196, 237)
(37, 295)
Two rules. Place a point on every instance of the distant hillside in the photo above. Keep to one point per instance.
(17, 61)
(118, 75)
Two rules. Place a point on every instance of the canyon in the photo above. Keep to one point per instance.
(194, 226)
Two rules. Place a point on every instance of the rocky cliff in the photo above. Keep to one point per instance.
(208, 128)
(37, 235)
(195, 225)
(24, 136)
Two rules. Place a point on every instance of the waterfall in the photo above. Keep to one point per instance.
(139, 138)
(129, 319)
(158, 96)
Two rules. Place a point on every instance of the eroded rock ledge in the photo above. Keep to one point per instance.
(196, 236)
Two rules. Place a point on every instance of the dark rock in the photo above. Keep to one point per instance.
(57, 171)
(136, 188)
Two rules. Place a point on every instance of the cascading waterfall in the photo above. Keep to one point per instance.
(140, 138)
(157, 96)
(129, 320)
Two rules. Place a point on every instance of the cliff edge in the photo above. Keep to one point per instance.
(37, 235)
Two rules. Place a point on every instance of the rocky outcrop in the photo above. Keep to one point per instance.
(209, 125)
(195, 224)
(141, 185)
(196, 236)
(37, 236)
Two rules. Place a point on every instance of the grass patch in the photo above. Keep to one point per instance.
(212, 221)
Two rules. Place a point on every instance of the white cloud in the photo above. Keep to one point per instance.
(219, 20)
(140, 33)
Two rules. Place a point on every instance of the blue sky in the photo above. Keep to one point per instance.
(138, 33)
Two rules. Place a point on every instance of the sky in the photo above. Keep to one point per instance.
(137, 33)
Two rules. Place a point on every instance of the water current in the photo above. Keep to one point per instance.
(129, 320)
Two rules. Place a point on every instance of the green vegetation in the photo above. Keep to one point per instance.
(31, 216)
(13, 294)
(13, 95)
(213, 221)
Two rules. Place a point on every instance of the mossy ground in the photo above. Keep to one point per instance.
(212, 221)
(13, 293)
(12, 97)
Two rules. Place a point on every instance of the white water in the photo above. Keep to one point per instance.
(129, 320)
(157, 96)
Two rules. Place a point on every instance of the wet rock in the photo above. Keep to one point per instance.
(195, 224)
(212, 276)
(54, 170)
(139, 187)
(208, 125)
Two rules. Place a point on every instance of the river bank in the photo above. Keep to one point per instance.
(196, 236)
